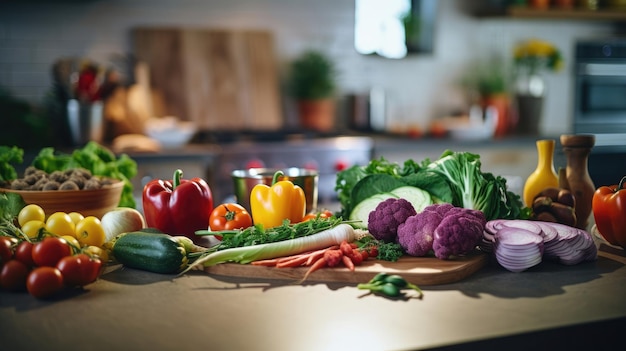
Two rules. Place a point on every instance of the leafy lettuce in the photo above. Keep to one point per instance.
(98, 160)
(455, 178)
(93, 157)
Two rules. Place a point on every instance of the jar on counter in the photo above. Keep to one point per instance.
(544, 175)
(577, 149)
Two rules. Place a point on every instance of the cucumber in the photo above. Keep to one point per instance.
(149, 251)
(361, 211)
(419, 198)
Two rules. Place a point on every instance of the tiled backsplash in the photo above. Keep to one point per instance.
(35, 34)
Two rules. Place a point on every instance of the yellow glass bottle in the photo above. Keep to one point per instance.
(544, 176)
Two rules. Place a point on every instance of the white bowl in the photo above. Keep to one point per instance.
(169, 132)
(471, 133)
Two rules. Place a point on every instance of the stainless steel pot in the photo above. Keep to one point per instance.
(245, 180)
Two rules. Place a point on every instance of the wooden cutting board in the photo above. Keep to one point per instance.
(220, 79)
(417, 270)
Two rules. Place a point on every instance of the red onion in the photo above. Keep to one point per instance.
(521, 244)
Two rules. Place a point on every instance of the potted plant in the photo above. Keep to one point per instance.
(490, 81)
(531, 58)
(312, 84)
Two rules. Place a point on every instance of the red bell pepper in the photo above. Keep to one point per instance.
(178, 207)
(609, 211)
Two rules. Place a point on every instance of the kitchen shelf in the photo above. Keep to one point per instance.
(574, 14)
(567, 14)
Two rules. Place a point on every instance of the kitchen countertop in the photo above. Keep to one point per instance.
(549, 306)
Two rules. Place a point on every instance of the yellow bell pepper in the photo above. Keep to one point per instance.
(270, 206)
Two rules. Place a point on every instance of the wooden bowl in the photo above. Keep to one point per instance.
(94, 202)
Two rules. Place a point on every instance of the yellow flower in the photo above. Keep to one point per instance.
(535, 54)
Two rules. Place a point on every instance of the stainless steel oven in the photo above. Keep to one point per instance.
(600, 105)
(600, 80)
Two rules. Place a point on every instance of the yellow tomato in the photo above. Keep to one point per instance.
(72, 241)
(89, 231)
(95, 251)
(31, 212)
(60, 223)
(32, 228)
(76, 217)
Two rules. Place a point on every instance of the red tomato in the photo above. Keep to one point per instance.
(50, 250)
(94, 268)
(79, 270)
(13, 275)
(6, 249)
(44, 282)
(229, 216)
(313, 215)
(71, 268)
(24, 253)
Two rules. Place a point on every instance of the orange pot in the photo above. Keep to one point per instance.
(317, 115)
(501, 103)
(540, 4)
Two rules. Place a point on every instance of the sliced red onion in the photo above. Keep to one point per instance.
(549, 232)
(517, 237)
(531, 226)
(521, 244)
(486, 243)
(518, 265)
(493, 226)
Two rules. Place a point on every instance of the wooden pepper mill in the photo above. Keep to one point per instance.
(577, 149)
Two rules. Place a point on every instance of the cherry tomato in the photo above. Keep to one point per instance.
(229, 216)
(13, 275)
(94, 268)
(323, 214)
(97, 252)
(73, 242)
(33, 228)
(6, 249)
(60, 223)
(89, 231)
(76, 217)
(79, 270)
(31, 212)
(50, 250)
(44, 282)
(24, 253)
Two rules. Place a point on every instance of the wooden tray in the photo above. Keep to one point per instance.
(417, 270)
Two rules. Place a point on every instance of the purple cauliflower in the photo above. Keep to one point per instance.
(383, 222)
(458, 233)
(442, 209)
(446, 230)
(416, 234)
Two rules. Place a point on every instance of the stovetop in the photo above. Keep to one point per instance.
(220, 137)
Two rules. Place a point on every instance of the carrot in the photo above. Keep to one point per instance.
(348, 262)
(294, 262)
(333, 257)
(292, 257)
(321, 262)
(345, 248)
(356, 257)
(364, 254)
(315, 256)
(247, 254)
(266, 263)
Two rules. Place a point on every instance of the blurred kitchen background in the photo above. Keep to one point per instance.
(163, 64)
